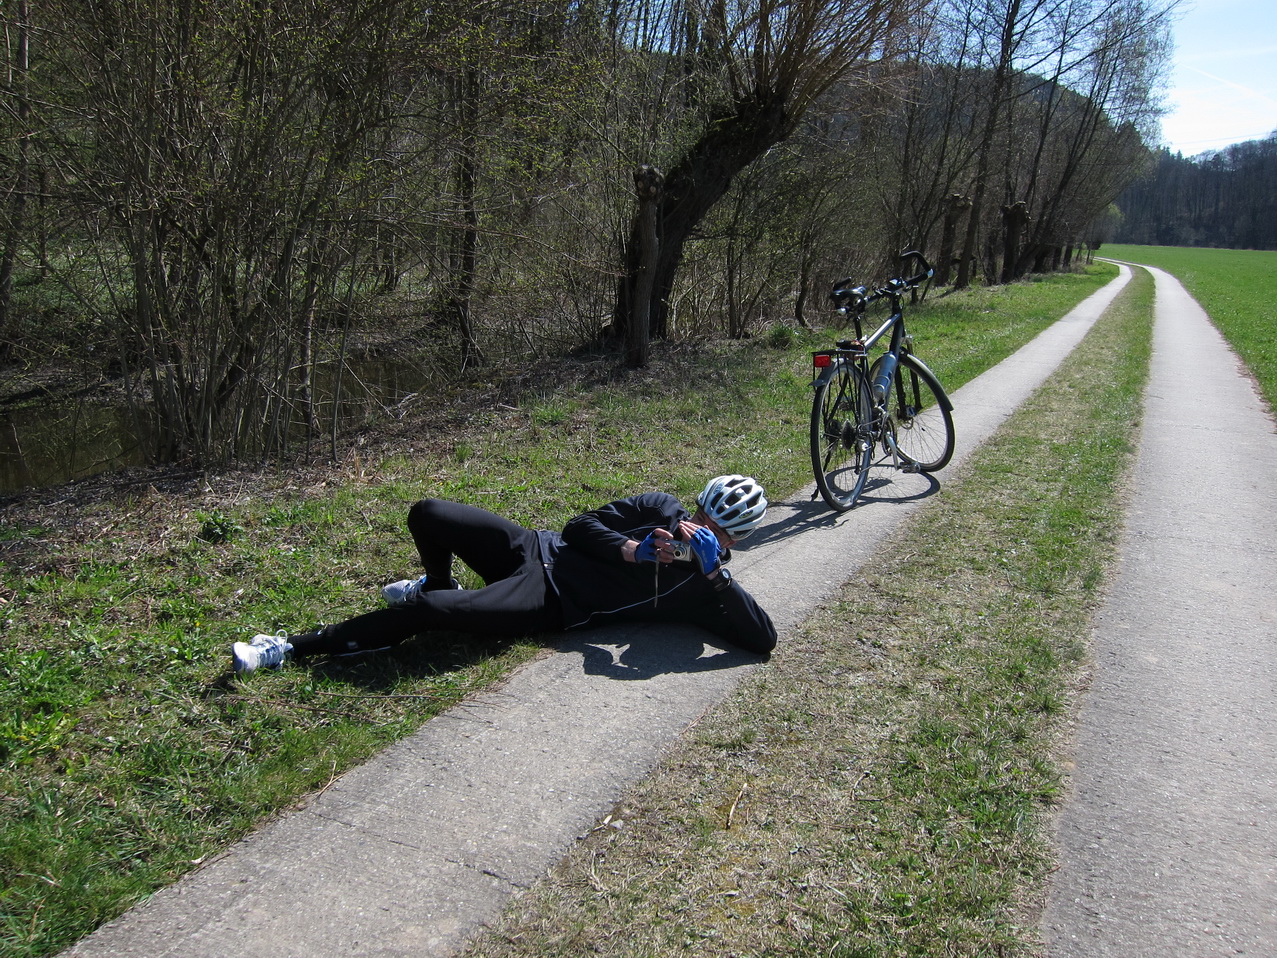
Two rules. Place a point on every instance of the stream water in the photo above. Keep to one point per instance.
(56, 443)
(63, 441)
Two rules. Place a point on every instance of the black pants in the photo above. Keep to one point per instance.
(515, 600)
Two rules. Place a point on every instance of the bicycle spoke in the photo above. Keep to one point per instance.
(923, 426)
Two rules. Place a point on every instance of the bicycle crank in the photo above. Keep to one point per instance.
(889, 440)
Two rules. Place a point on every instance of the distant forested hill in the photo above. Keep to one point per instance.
(1225, 199)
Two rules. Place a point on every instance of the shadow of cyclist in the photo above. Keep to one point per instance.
(639, 652)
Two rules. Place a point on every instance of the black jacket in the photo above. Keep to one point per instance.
(596, 586)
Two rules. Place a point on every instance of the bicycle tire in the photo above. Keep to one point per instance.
(923, 424)
(841, 436)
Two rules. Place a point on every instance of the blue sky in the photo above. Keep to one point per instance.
(1223, 87)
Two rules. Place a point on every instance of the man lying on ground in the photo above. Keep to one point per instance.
(643, 558)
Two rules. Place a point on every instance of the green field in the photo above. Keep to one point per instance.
(1238, 288)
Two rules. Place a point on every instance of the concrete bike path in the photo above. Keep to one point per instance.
(1169, 841)
(413, 852)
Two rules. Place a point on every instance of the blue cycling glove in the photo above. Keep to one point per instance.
(706, 549)
(646, 551)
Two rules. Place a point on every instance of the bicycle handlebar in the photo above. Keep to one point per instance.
(926, 274)
(847, 295)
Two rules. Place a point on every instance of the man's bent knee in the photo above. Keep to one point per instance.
(425, 512)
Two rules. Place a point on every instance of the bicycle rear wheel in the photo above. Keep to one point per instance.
(923, 424)
(842, 436)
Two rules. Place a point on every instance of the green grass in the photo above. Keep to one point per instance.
(1238, 288)
(883, 787)
(128, 753)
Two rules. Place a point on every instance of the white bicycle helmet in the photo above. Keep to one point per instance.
(737, 504)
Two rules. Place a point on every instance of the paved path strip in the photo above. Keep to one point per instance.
(413, 852)
(1169, 842)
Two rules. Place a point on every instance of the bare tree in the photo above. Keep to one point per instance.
(1004, 28)
(753, 69)
(230, 164)
(1095, 111)
(1019, 43)
(929, 141)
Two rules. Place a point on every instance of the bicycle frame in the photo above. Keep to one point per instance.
(825, 361)
(854, 301)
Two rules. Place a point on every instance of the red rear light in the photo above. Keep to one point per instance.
(821, 360)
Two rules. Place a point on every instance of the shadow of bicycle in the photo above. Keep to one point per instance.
(788, 519)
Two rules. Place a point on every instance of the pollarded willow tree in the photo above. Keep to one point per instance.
(748, 71)
(1009, 126)
(1030, 61)
(1094, 110)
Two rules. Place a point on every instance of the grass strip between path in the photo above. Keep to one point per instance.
(884, 786)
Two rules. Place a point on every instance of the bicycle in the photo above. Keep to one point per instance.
(896, 404)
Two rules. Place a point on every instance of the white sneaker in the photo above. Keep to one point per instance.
(408, 591)
(264, 651)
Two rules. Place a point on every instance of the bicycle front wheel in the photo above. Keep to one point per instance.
(923, 424)
(842, 436)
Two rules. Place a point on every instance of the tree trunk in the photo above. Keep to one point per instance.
(804, 286)
(699, 180)
(1001, 78)
(1014, 219)
(954, 210)
(647, 184)
(465, 253)
(21, 186)
(465, 265)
